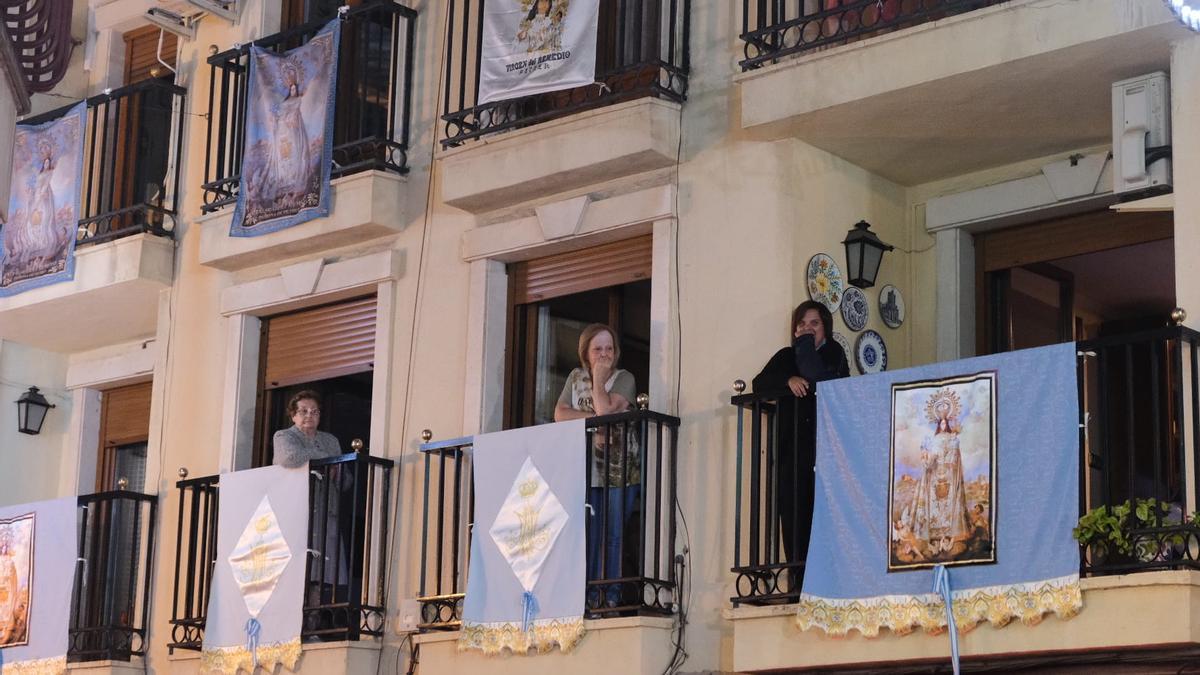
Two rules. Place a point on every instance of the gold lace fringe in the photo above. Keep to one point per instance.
(229, 660)
(901, 614)
(543, 636)
(55, 665)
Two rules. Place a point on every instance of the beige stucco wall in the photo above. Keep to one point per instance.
(751, 209)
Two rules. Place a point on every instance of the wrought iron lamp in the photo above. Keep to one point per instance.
(31, 411)
(864, 252)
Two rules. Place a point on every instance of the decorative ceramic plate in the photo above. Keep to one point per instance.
(825, 281)
(846, 349)
(855, 309)
(891, 306)
(870, 353)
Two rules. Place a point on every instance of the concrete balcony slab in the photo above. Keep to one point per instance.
(564, 154)
(113, 298)
(1027, 78)
(365, 206)
(626, 645)
(1152, 612)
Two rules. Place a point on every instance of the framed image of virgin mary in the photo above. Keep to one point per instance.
(942, 487)
(16, 579)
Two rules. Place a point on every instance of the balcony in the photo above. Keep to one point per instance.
(372, 120)
(776, 30)
(626, 123)
(111, 600)
(921, 91)
(1139, 395)
(636, 601)
(124, 249)
(346, 607)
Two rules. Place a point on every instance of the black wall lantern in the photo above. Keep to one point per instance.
(864, 252)
(31, 411)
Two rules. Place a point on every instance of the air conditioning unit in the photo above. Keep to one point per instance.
(1141, 140)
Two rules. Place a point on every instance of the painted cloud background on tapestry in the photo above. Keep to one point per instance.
(43, 207)
(289, 136)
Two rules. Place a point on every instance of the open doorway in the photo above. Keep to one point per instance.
(1107, 282)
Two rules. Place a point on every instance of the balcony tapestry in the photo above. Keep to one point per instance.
(37, 564)
(37, 244)
(289, 136)
(537, 46)
(257, 597)
(525, 584)
(964, 472)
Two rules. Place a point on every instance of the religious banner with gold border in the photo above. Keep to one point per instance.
(289, 136)
(37, 243)
(965, 472)
(37, 553)
(525, 583)
(257, 599)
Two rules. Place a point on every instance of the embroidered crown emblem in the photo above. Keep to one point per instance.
(528, 488)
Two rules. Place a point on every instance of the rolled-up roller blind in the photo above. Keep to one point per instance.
(619, 262)
(142, 52)
(320, 343)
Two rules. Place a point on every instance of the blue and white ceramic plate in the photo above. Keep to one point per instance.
(855, 309)
(891, 306)
(845, 344)
(870, 353)
(825, 283)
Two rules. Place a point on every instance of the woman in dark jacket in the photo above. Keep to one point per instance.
(792, 374)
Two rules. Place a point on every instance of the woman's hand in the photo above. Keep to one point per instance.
(602, 369)
(798, 385)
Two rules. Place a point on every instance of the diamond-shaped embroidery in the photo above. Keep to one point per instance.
(259, 558)
(528, 524)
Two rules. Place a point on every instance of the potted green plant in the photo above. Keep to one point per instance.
(1107, 531)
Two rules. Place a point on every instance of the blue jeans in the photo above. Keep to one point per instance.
(622, 502)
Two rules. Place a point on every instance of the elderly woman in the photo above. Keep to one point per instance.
(792, 374)
(328, 581)
(598, 387)
(301, 442)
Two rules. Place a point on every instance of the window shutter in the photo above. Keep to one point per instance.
(126, 414)
(141, 53)
(320, 343)
(619, 262)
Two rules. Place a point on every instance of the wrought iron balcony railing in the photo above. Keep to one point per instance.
(111, 599)
(641, 50)
(133, 140)
(1139, 397)
(1139, 394)
(646, 581)
(374, 97)
(345, 595)
(774, 29)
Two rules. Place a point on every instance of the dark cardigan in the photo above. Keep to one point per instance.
(797, 432)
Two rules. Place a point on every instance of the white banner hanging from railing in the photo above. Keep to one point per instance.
(37, 567)
(536, 46)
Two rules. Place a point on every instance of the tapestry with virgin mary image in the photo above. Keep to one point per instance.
(289, 136)
(37, 242)
(962, 471)
(38, 561)
(943, 468)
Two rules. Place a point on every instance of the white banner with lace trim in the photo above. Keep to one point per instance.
(37, 553)
(525, 585)
(256, 604)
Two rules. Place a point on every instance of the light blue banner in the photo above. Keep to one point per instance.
(971, 464)
(289, 136)
(37, 243)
